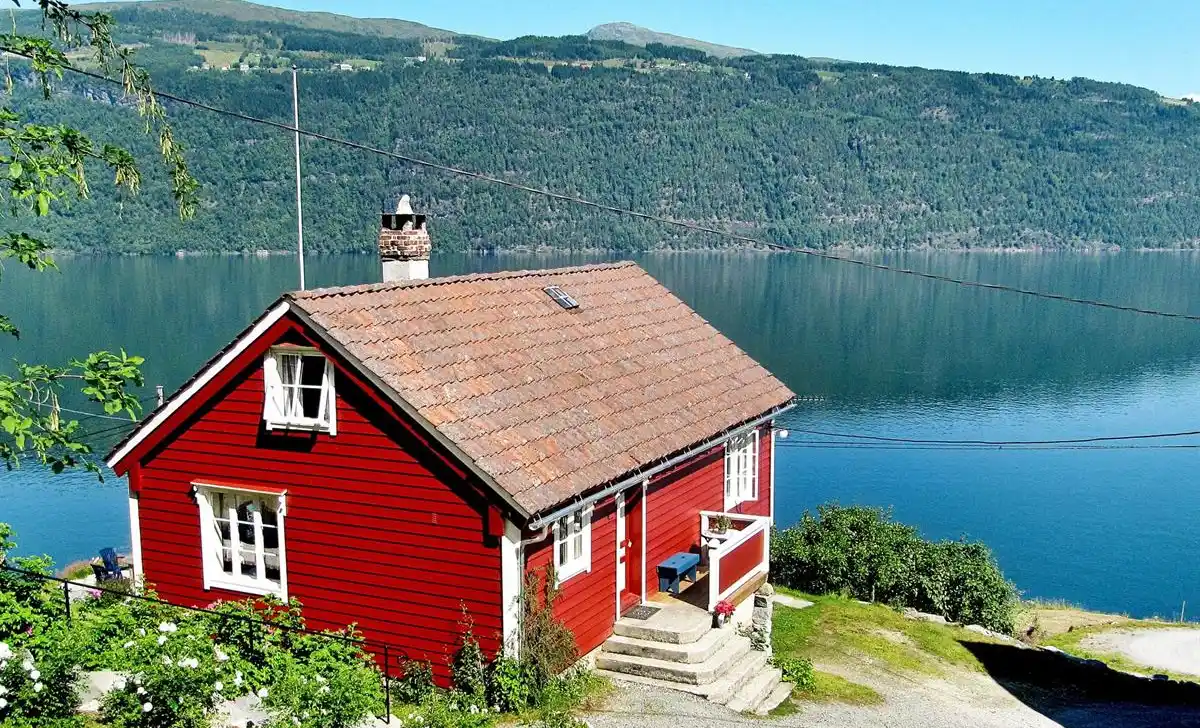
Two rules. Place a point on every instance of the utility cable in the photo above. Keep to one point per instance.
(604, 207)
(1074, 441)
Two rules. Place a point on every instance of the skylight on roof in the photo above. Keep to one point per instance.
(561, 297)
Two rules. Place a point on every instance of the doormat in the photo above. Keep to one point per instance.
(642, 612)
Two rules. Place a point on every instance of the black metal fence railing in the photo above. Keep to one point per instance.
(375, 648)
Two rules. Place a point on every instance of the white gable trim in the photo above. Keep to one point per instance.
(177, 401)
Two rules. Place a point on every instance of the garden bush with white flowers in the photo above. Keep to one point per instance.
(178, 666)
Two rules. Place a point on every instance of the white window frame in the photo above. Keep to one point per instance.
(741, 469)
(575, 531)
(277, 401)
(215, 576)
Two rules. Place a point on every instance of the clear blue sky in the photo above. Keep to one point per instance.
(1152, 43)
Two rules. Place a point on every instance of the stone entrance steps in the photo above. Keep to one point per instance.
(678, 649)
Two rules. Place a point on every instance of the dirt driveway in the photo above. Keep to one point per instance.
(997, 699)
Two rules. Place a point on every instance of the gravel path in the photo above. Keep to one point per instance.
(1177, 650)
(961, 699)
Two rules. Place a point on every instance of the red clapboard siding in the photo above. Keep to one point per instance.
(761, 506)
(673, 504)
(379, 530)
(587, 604)
(741, 561)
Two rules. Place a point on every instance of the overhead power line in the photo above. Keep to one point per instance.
(802, 445)
(604, 207)
(1068, 441)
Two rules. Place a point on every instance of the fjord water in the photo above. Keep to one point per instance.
(871, 352)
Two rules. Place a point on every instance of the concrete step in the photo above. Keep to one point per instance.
(691, 653)
(782, 692)
(742, 672)
(673, 626)
(755, 691)
(700, 673)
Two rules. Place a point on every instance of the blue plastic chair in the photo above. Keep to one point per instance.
(111, 568)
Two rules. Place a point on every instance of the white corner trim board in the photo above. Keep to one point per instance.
(201, 381)
(510, 588)
(135, 535)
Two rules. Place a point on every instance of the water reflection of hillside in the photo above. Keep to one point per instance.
(858, 336)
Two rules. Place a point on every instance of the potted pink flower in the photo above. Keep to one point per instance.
(722, 612)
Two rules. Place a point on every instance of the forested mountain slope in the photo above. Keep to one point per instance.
(803, 152)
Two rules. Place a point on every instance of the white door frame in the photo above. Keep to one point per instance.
(619, 498)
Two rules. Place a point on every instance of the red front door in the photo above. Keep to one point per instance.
(631, 551)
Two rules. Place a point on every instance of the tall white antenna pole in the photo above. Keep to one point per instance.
(299, 204)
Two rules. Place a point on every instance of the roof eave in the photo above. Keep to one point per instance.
(212, 368)
(550, 514)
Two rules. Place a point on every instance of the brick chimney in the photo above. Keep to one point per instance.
(404, 244)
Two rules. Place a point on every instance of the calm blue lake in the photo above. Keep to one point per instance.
(875, 353)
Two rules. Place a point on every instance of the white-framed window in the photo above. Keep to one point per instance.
(741, 469)
(299, 392)
(241, 536)
(573, 544)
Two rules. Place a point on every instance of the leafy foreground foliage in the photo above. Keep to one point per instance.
(861, 552)
(44, 166)
(179, 666)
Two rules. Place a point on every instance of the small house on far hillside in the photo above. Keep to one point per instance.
(389, 453)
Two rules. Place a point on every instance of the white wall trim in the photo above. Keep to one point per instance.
(645, 534)
(177, 401)
(135, 536)
(621, 572)
(772, 433)
(510, 588)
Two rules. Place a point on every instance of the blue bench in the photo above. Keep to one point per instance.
(681, 565)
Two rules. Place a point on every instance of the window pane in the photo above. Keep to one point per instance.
(249, 563)
(289, 368)
(312, 371)
(310, 403)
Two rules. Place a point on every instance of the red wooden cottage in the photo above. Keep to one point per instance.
(388, 453)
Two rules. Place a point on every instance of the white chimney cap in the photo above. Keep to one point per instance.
(404, 207)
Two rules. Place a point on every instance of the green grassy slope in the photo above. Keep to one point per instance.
(252, 12)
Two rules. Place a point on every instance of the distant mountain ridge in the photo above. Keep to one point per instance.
(639, 36)
(250, 12)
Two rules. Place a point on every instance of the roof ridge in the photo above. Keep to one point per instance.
(445, 280)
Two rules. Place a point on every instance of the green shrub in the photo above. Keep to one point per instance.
(562, 696)
(39, 677)
(415, 684)
(510, 685)
(453, 710)
(250, 630)
(861, 552)
(961, 581)
(176, 678)
(796, 670)
(323, 683)
(469, 667)
(548, 648)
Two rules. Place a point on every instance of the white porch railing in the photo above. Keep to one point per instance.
(744, 552)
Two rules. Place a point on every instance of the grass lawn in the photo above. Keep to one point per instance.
(840, 631)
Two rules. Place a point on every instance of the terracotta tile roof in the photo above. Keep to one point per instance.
(550, 402)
